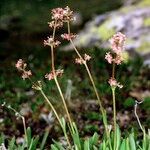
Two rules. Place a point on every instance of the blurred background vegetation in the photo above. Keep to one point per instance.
(23, 26)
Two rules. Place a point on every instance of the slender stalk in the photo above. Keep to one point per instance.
(23, 121)
(114, 115)
(87, 69)
(94, 87)
(24, 127)
(56, 81)
(89, 74)
(50, 104)
(52, 107)
(64, 103)
(139, 122)
(113, 70)
(137, 117)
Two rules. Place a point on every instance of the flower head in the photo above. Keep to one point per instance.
(50, 42)
(20, 65)
(57, 24)
(114, 83)
(57, 13)
(59, 72)
(118, 60)
(68, 36)
(87, 57)
(117, 42)
(79, 61)
(109, 57)
(51, 75)
(26, 74)
(68, 14)
(64, 15)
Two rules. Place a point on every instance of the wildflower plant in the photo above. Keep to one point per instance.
(112, 140)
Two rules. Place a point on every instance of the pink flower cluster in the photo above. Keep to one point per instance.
(60, 15)
(117, 46)
(21, 66)
(117, 59)
(114, 83)
(68, 37)
(51, 42)
(117, 42)
(82, 61)
(51, 75)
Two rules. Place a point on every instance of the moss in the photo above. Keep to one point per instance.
(144, 3)
(104, 32)
(83, 40)
(147, 22)
(125, 56)
(127, 9)
(144, 48)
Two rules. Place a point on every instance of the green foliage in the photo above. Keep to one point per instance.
(32, 144)
(91, 128)
(129, 102)
(92, 143)
(146, 104)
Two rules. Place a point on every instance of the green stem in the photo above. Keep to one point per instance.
(92, 81)
(114, 114)
(23, 121)
(25, 129)
(113, 70)
(56, 81)
(139, 122)
(64, 103)
(50, 104)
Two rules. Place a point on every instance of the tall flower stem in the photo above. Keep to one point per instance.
(23, 121)
(88, 71)
(53, 109)
(114, 105)
(56, 81)
(92, 81)
(139, 122)
(39, 88)
(114, 115)
(113, 70)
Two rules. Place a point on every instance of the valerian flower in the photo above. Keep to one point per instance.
(57, 13)
(87, 57)
(21, 66)
(68, 37)
(51, 75)
(64, 15)
(26, 74)
(83, 60)
(68, 14)
(51, 42)
(59, 72)
(117, 42)
(109, 57)
(118, 59)
(56, 24)
(114, 83)
(79, 61)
